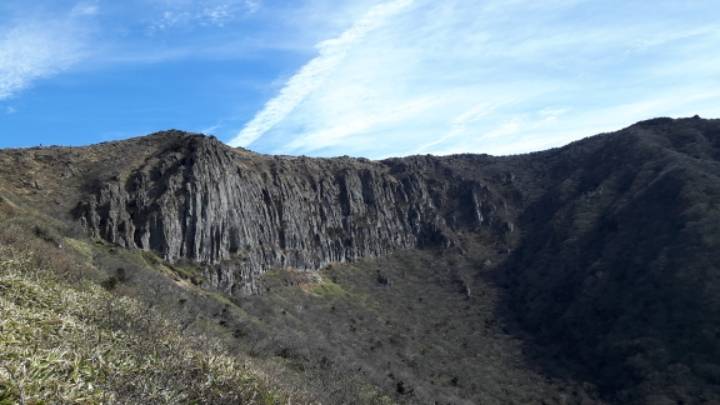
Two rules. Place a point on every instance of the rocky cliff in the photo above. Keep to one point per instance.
(604, 251)
(240, 213)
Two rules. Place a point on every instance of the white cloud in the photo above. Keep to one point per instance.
(210, 130)
(216, 13)
(10, 110)
(336, 135)
(459, 125)
(85, 9)
(533, 131)
(253, 6)
(495, 76)
(314, 73)
(35, 50)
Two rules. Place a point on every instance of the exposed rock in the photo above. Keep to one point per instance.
(241, 213)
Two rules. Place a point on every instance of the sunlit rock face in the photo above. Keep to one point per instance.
(240, 213)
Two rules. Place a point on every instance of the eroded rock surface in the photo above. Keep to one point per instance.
(240, 213)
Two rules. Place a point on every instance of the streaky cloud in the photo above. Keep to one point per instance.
(33, 50)
(312, 74)
(500, 77)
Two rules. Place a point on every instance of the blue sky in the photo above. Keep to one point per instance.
(366, 78)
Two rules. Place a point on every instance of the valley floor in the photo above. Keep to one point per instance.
(423, 326)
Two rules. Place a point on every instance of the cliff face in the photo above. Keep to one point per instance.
(240, 213)
(606, 248)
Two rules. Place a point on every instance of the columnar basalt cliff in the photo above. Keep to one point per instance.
(240, 213)
(603, 251)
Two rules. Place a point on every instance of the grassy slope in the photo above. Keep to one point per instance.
(63, 338)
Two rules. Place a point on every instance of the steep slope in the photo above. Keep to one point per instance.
(64, 338)
(618, 270)
(600, 257)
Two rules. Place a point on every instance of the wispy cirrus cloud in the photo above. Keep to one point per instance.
(208, 12)
(87, 8)
(36, 49)
(496, 77)
(313, 74)
(395, 77)
(40, 42)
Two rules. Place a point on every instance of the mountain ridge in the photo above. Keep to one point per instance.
(601, 251)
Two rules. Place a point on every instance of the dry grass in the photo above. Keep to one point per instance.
(81, 344)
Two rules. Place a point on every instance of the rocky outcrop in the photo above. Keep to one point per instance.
(240, 213)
